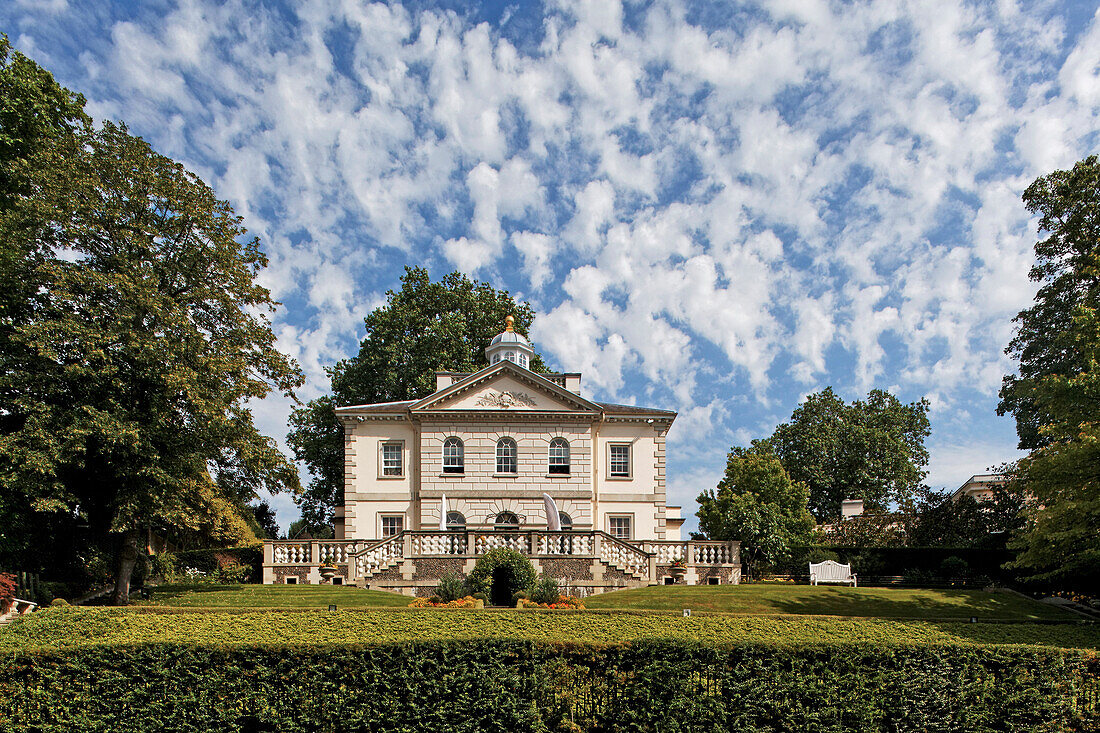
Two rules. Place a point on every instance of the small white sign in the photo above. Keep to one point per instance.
(687, 613)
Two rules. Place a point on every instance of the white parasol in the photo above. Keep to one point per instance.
(553, 521)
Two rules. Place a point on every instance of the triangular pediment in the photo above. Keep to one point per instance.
(505, 387)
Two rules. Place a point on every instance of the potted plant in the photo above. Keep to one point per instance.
(679, 569)
(328, 571)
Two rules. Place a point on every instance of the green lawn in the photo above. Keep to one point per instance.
(272, 596)
(81, 627)
(770, 599)
(757, 599)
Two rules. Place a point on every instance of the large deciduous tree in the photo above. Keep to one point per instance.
(758, 504)
(40, 122)
(126, 376)
(424, 327)
(943, 521)
(1056, 395)
(869, 449)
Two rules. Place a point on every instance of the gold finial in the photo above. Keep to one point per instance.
(508, 322)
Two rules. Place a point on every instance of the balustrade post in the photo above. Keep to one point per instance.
(653, 568)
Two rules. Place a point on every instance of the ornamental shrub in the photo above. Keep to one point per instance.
(451, 587)
(501, 572)
(954, 567)
(545, 590)
(8, 586)
(219, 565)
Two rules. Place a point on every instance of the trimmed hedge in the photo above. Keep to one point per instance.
(509, 685)
(878, 561)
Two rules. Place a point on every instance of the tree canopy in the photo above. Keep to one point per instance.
(869, 449)
(1056, 395)
(127, 373)
(424, 327)
(757, 503)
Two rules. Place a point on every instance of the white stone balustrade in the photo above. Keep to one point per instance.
(292, 553)
(712, 553)
(624, 556)
(566, 544)
(335, 552)
(439, 543)
(518, 541)
(666, 552)
(381, 555)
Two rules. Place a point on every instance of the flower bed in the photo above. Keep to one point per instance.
(564, 602)
(467, 602)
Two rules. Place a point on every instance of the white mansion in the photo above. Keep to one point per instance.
(431, 484)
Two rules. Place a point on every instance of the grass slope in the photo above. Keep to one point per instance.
(766, 599)
(82, 627)
(272, 596)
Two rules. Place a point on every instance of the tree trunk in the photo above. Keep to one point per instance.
(127, 558)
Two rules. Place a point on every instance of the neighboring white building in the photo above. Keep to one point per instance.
(470, 463)
(980, 486)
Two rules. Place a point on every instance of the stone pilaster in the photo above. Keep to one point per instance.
(659, 490)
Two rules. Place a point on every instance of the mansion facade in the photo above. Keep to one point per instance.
(431, 484)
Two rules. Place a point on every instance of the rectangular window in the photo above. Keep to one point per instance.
(619, 527)
(392, 459)
(392, 524)
(290, 580)
(619, 463)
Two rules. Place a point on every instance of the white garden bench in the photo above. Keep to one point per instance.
(831, 571)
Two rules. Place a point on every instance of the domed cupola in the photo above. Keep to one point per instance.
(511, 346)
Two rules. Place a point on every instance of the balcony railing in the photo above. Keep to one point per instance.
(370, 558)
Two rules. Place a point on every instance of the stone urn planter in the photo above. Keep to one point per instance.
(678, 573)
(328, 572)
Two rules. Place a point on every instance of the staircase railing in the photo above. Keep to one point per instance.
(622, 555)
(380, 555)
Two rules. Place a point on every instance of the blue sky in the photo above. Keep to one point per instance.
(716, 208)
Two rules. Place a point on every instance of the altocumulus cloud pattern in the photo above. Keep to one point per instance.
(714, 207)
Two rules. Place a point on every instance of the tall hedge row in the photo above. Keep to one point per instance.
(503, 685)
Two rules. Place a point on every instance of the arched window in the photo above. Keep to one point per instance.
(506, 455)
(559, 455)
(496, 358)
(454, 460)
(523, 360)
(455, 521)
(566, 521)
(506, 520)
(510, 356)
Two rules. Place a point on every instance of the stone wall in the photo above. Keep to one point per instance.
(567, 570)
(294, 571)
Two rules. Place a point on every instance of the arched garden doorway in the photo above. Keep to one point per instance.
(500, 573)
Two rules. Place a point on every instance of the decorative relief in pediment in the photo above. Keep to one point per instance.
(506, 399)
